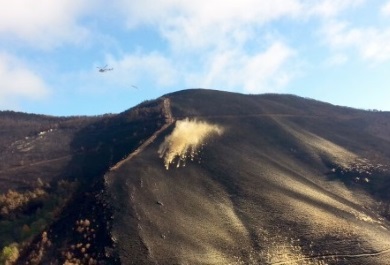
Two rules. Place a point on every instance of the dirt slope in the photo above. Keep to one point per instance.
(278, 186)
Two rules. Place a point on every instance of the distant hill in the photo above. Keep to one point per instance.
(198, 177)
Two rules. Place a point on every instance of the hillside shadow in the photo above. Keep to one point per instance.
(96, 148)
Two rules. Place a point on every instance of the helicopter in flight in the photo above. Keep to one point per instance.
(104, 69)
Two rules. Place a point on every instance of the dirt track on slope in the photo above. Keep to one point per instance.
(169, 120)
(36, 163)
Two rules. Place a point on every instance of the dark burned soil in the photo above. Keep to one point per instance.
(198, 177)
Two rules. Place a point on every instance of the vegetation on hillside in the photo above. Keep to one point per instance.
(25, 215)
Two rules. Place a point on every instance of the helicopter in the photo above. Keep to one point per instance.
(104, 69)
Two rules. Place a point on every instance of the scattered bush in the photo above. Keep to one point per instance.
(13, 200)
(9, 254)
(23, 215)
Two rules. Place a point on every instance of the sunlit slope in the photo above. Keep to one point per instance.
(266, 190)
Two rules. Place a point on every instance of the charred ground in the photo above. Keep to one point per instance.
(289, 180)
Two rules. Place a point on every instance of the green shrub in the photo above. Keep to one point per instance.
(9, 254)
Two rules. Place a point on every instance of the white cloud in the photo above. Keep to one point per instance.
(230, 69)
(372, 44)
(254, 73)
(210, 38)
(218, 32)
(330, 8)
(385, 10)
(42, 23)
(202, 24)
(206, 12)
(17, 82)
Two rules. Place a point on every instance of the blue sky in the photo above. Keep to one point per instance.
(336, 51)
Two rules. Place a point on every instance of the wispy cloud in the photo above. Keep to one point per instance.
(207, 12)
(215, 35)
(42, 23)
(231, 69)
(370, 43)
(330, 8)
(204, 24)
(266, 70)
(385, 10)
(18, 82)
(210, 39)
(154, 67)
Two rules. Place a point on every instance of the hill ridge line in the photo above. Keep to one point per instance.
(252, 115)
(169, 120)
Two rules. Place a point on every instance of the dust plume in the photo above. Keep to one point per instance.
(185, 141)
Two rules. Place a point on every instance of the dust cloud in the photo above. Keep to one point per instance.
(186, 140)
